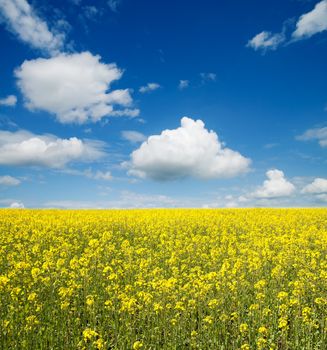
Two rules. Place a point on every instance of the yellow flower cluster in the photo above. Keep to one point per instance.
(163, 279)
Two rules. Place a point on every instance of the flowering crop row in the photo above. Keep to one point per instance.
(163, 279)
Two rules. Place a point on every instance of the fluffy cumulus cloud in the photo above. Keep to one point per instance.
(275, 186)
(149, 87)
(74, 87)
(266, 41)
(9, 101)
(318, 186)
(190, 150)
(319, 134)
(27, 149)
(22, 20)
(8, 180)
(133, 136)
(312, 22)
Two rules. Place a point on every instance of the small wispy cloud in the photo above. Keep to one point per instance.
(126, 199)
(8, 180)
(114, 5)
(206, 77)
(183, 84)
(100, 175)
(90, 12)
(266, 41)
(89, 173)
(318, 134)
(126, 112)
(133, 136)
(270, 145)
(17, 205)
(149, 87)
(309, 24)
(9, 101)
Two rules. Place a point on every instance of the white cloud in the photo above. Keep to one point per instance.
(17, 205)
(183, 84)
(190, 150)
(208, 77)
(22, 20)
(266, 41)
(319, 134)
(24, 148)
(276, 186)
(9, 101)
(322, 197)
(277, 191)
(308, 24)
(318, 186)
(127, 112)
(149, 87)
(89, 173)
(100, 175)
(73, 87)
(312, 22)
(8, 180)
(133, 136)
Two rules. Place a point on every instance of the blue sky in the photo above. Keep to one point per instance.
(122, 104)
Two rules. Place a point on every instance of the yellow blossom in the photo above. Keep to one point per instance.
(137, 345)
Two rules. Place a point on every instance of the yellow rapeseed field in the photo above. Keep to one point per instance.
(163, 279)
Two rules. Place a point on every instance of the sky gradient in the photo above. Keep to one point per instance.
(123, 104)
